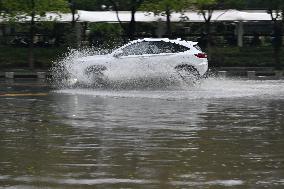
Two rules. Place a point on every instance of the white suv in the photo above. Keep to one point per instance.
(145, 58)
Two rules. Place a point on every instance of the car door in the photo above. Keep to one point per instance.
(161, 58)
(130, 62)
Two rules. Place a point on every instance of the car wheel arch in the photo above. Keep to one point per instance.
(187, 67)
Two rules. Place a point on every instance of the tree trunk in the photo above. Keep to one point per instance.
(277, 44)
(169, 29)
(130, 30)
(73, 11)
(3, 28)
(32, 34)
(208, 39)
(75, 33)
(125, 29)
(277, 58)
(85, 27)
(132, 25)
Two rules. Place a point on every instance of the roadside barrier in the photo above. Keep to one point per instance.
(34, 75)
(253, 75)
(222, 74)
(9, 75)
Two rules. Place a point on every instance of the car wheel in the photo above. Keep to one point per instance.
(96, 75)
(187, 73)
(95, 69)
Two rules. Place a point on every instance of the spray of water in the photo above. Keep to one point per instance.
(71, 72)
(69, 66)
(171, 87)
(118, 81)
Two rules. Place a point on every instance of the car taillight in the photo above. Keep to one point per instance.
(201, 55)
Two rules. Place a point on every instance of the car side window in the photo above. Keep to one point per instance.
(138, 48)
(153, 47)
(158, 47)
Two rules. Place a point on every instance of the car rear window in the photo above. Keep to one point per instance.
(197, 47)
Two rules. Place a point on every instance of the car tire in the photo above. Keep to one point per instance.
(188, 73)
(96, 75)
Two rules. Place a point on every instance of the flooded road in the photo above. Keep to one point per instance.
(220, 134)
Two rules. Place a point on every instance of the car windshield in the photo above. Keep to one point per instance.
(153, 47)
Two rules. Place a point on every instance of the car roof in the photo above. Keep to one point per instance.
(188, 44)
(177, 41)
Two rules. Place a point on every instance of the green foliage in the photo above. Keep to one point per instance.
(274, 7)
(20, 9)
(45, 56)
(265, 4)
(245, 56)
(222, 56)
(133, 6)
(206, 4)
(1, 6)
(105, 33)
(105, 29)
(166, 7)
(125, 5)
(89, 5)
(209, 6)
(219, 4)
(161, 6)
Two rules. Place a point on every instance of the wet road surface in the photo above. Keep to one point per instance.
(221, 134)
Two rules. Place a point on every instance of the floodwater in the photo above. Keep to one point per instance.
(219, 134)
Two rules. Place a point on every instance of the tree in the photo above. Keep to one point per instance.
(133, 6)
(206, 9)
(89, 5)
(32, 10)
(105, 35)
(116, 5)
(74, 6)
(276, 10)
(1, 7)
(166, 7)
(2, 10)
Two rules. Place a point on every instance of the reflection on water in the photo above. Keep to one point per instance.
(210, 136)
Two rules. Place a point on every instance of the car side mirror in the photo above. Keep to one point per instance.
(118, 54)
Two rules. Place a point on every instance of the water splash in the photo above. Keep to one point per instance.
(70, 72)
(118, 82)
(211, 88)
(70, 66)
